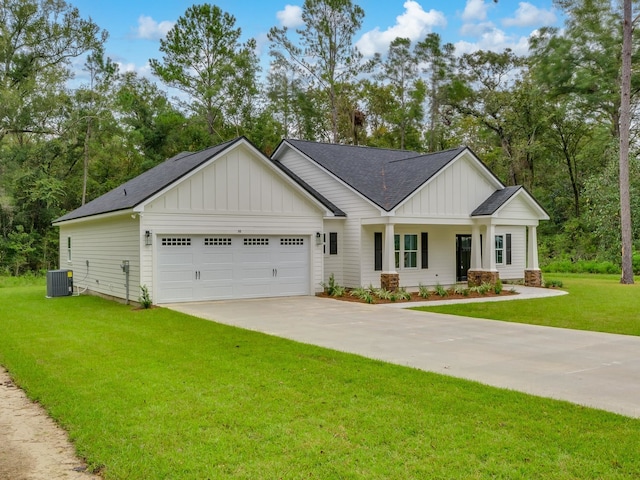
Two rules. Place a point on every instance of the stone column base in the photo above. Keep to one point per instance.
(390, 281)
(475, 278)
(533, 278)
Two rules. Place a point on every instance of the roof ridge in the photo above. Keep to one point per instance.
(185, 154)
(427, 154)
(352, 146)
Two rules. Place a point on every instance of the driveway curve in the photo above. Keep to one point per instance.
(592, 369)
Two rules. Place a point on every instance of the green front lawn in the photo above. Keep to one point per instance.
(595, 302)
(154, 394)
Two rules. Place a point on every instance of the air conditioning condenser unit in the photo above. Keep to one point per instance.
(59, 283)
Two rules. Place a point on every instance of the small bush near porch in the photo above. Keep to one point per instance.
(157, 394)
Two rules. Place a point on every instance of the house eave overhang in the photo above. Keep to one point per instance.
(100, 216)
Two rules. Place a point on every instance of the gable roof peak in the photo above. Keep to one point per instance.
(140, 188)
(384, 176)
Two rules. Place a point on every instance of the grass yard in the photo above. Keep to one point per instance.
(154, 394)
(595, 302)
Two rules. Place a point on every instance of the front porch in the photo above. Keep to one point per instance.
(476, 252)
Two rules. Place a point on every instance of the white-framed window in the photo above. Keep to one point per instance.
(499, 249)
(406, 247)
(69, 249)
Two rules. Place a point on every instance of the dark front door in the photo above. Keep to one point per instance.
(463, 257)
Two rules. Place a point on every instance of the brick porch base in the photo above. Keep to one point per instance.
(533, 278)
(390, 281)
(476, 278)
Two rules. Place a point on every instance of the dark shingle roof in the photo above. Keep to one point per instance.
(386, 177)
(147, 184)
(495, 201)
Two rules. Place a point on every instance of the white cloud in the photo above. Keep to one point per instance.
(528, 15)
(291, 16)
(477, 29)
(475, 11)
(414, 24)
(495, 40)
(149, 29)
(262, 43)
(126, 67)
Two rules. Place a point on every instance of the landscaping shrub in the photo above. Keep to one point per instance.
(145, 298)
(332, 288)
(365, 294)
(585, 266)
(441, 291)
(423, 291)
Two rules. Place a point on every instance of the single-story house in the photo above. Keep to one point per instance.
(229, 222)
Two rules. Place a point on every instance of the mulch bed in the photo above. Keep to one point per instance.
(417, 298)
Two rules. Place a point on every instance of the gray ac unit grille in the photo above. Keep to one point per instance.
(59, 283)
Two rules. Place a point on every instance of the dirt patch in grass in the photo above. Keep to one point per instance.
(32, 446)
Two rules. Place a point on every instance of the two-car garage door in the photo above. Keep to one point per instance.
(215, 267)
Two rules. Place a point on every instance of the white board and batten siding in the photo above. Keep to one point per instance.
(104, 243)
(518, 211)
(236, 196)
(347, 200)
(454, 192)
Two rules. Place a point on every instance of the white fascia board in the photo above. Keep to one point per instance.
(101, 216)
(451, 220)
(530, 201)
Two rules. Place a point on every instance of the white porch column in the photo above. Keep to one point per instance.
(490, 248)
(476, 258)
(532, 250)
(388, 252)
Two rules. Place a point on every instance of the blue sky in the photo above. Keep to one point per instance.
(135, 26)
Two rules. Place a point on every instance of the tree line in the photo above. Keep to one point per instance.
(549, 121)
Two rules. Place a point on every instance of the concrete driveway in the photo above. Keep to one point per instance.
(593, 369)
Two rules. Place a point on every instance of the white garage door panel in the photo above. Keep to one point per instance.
(192, 268)
(175, 273)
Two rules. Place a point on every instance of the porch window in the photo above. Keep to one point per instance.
(499, 249)
(410, 251)
(407, 249)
